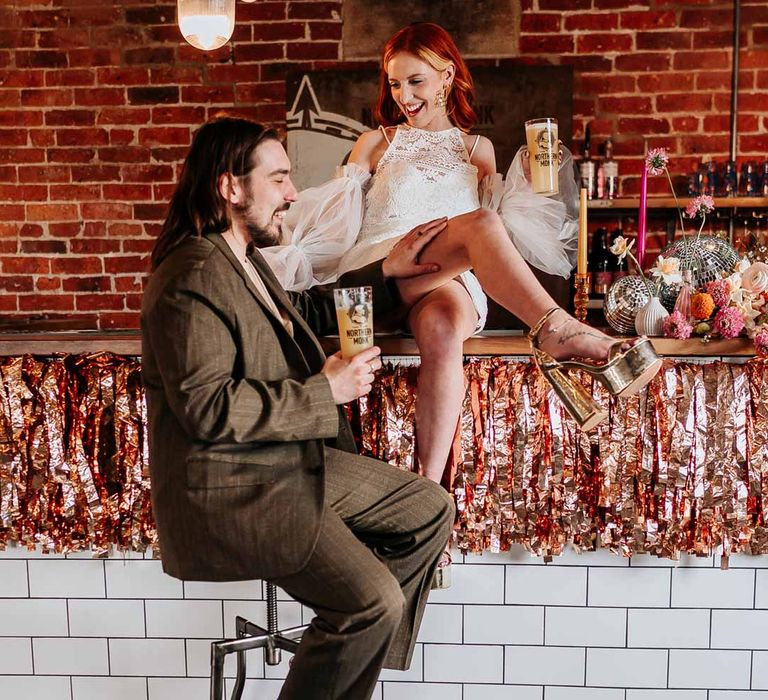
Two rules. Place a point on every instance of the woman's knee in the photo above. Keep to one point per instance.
(485, 219)
(440, 329)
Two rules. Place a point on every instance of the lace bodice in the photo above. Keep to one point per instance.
(422, 175)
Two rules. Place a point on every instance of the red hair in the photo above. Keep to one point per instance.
(433, 45)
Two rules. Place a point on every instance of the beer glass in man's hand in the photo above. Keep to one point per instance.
(354, 313)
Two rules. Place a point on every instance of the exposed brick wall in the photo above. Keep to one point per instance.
(98, 101)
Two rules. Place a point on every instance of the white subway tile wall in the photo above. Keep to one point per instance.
(590, 626)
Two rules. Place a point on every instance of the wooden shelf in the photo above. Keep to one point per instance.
(490, 343)
(669, 203)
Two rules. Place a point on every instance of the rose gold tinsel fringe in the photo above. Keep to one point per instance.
(681, 468)
(73, 454)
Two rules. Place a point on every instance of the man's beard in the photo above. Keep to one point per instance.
(261, 236)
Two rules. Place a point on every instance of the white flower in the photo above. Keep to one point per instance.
(667, 270)
(742, 266)
(747, 313)
(755, 278)
(621, 247)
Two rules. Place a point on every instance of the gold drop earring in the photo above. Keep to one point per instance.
(441, 97)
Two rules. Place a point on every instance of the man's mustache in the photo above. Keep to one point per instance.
(285, 207)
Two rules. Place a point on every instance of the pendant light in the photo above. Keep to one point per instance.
(206, 24)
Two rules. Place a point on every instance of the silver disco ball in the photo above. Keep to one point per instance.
(707, 259)
(625, 297)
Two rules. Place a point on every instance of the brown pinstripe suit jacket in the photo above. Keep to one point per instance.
(238, 413)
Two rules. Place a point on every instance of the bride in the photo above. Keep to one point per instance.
(422, 164)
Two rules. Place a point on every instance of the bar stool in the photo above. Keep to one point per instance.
(250, 636)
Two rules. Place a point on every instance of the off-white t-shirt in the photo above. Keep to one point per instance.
(240, 251)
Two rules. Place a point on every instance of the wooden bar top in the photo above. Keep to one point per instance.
(488, 343)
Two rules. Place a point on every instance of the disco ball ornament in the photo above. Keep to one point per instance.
(706, 258)
(625, 297)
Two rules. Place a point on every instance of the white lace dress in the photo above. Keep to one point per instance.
(357, 218)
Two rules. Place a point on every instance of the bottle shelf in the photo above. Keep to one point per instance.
(669, 203)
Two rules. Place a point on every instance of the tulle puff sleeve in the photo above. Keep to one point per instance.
(320, 226)
(544, 229)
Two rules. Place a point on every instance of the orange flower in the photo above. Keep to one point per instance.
(702, 306)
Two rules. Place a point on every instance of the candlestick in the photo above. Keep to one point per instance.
(581, 257)
(641, 217)
(581, 297)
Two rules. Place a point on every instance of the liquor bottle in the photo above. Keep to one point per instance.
(587, 169)
(608, 174)
(729, 188)
(601, 263)
(621, 269)
(712, 186)
(764, 180)
(750, 187)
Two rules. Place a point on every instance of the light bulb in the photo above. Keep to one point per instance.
(206, 24)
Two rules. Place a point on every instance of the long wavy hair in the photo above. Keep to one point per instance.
(223, 145)
(433, 45)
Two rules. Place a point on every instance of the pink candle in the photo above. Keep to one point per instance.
(641, 218)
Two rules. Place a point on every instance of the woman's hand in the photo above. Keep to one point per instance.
(403, 259)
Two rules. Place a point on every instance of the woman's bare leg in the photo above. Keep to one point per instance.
(440, 321)
(478, 241)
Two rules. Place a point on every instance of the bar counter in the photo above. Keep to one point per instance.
(488, 343)
(680, 468)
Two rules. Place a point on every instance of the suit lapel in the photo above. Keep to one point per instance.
(218, 240)
(284, 303)
(304, 339)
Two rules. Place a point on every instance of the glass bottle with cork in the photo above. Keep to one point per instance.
(608, 174)
(588, 169)
(601, 263)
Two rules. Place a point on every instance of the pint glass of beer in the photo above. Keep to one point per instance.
(541, 135)
(354, 313)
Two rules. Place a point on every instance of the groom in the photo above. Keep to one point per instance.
(253, 466)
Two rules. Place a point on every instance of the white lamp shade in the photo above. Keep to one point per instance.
(206, 24)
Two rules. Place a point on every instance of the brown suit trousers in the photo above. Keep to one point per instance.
(368, 578)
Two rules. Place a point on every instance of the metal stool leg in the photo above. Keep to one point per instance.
(217, 672)
(237, 691)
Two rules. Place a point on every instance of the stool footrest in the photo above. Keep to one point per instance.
(250, 636)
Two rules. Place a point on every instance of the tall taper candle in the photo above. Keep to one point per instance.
(641, 216)
(581, 257)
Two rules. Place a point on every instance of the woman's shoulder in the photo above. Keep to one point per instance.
(370, 146)
(482, 154)
(470, 139)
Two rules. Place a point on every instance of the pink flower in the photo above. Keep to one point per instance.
(676, 326)
(720, 291)
(728, 322)
(656, 161)
(700, 206)
(761, 342)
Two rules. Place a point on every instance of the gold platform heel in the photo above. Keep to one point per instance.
(625, 373)
(576, 399)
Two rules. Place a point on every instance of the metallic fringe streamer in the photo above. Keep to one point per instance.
(73, 454)
(682, 468)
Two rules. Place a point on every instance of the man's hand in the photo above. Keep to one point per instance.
(403, 259)
(351, 379)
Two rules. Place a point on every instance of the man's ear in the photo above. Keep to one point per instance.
(229, 188)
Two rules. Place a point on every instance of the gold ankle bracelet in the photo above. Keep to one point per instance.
(533, 334)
